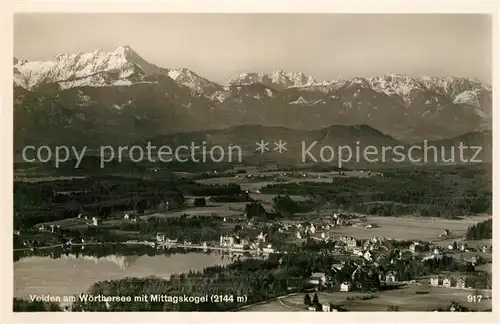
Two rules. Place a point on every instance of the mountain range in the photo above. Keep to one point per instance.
(118, 97)
(356, 138)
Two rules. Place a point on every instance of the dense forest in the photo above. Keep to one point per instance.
(98, 196)
(288, 207)
(102, 196)
(480, 231)
(443, 192)
(21, 305)
(258, 280)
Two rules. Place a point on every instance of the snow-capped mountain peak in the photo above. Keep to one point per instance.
(122, 66)
(97, 68)
(195, 82)
(278, 78)
(406, 86)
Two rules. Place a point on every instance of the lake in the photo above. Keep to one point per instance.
(70, 274)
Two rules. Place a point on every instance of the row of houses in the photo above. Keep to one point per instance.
(162, 239)
(49, 228)
(349, 241)
(237, 243)
(130, 217)
(53, 228)
(448, 282)
(320, 278)
(322, 308)
(95, 221)
(311, 228)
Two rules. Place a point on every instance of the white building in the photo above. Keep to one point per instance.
(345, 286)
(318, 278)
(268, 249)
(337, 266)
(367, 256)
(160, 237)
(390, 277)
(95, 221)
(238, 246)
(226, 241)
(414, 247)
(169, 241)
(357, 251)
(461, 283)
(351, 242)
(447, 282)
(261, 237)
(435, 281)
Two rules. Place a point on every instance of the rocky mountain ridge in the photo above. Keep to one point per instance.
(120, 96)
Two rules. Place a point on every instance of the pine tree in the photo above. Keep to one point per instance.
(307, 300)
(315, 299)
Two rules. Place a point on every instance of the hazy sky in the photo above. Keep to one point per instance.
(325, 46)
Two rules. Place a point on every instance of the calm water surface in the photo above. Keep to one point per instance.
(71, 274)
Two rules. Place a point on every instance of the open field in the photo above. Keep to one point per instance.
(405, 298)
(68, 222)
(251, 185)
(221, 210)
(488, 267)
(27, 178)
(475, 244)
(409, 228)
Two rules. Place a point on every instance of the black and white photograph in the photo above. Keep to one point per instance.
(257, 162)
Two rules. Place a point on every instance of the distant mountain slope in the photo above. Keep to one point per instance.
(350, 141)
(100, 115)
(476, 147)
